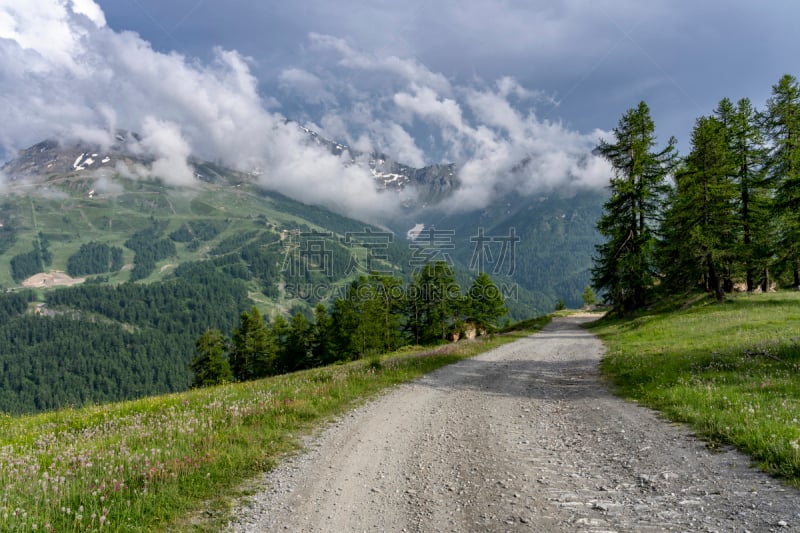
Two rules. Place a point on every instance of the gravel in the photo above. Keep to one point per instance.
(523, 438)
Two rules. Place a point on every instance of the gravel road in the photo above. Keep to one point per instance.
(522, 438)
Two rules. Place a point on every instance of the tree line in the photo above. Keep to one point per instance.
(379, 313)
(726, 215)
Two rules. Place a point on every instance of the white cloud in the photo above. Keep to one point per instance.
(105, 185)
(91, 10)
(67, 74)
(306, 84)
(407, 69)
(165, 141)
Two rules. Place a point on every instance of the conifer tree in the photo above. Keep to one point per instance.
(296, 351)
(484, 302)
(434, 302)
(625, 265)
(253, 353)
(211, 366)
(782, 124)
(747, 158)
(322, 333)
(701, 222)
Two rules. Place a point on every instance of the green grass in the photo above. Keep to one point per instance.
(176, 462)
(730, 370)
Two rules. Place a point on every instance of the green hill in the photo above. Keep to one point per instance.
(730, 370)
(108, 281)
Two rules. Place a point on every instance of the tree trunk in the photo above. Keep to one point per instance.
(797, 273)
(765, 282)
(751, 284)
(713, 280)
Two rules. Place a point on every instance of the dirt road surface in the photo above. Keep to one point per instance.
(522, 438)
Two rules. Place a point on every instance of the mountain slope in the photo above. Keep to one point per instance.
(152, 265)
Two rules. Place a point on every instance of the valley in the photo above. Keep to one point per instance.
(80, 231)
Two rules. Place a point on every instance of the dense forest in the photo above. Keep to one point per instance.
(379, 313)
(725, 217)
(97, 343)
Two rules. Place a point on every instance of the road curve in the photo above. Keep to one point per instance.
(524, 437)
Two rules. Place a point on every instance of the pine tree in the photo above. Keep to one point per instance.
(253, 354)
(701, 220)
(625, 265)
(782, 124)
(345, 319)
(434, 302)
(385, 308)
(322, 333)
(210, 366)
(484, 303)
(296, 351)
(747, 156)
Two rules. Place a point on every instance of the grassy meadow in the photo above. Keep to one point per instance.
(177, 462)
(730, 370)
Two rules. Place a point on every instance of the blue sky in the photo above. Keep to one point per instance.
(480, 83)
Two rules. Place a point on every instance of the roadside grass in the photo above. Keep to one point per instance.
(730, 370)
(177, 462)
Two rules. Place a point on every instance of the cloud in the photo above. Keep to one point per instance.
(67, 74)
(407, 69)
(105, 185)
(491, 131)
(308, 85)
(165, 141)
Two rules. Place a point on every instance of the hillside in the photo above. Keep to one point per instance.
(729, 370)
(124, 273)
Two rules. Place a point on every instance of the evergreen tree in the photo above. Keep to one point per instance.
(322, 333)
(625, 265)
(296, 350)
(782, 124)
(345, 319)
(385, 308)
(701, 221)
(253, 354)
(434, 302)
(210, 366)
(747, 157)
(484, 303)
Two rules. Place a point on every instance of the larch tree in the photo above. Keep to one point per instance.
(485, 303)
(782, 125)
(254, 352)
(210, 366)
(747, 156)
(625, 265)
(701, 221)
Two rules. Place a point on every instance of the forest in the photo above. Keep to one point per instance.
(100, 343)
(723, 218)
(378, 314)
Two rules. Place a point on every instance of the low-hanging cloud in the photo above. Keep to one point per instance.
(489, 130)
(66, 74)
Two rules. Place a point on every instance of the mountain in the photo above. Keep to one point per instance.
(432, 183)
(110, 278)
